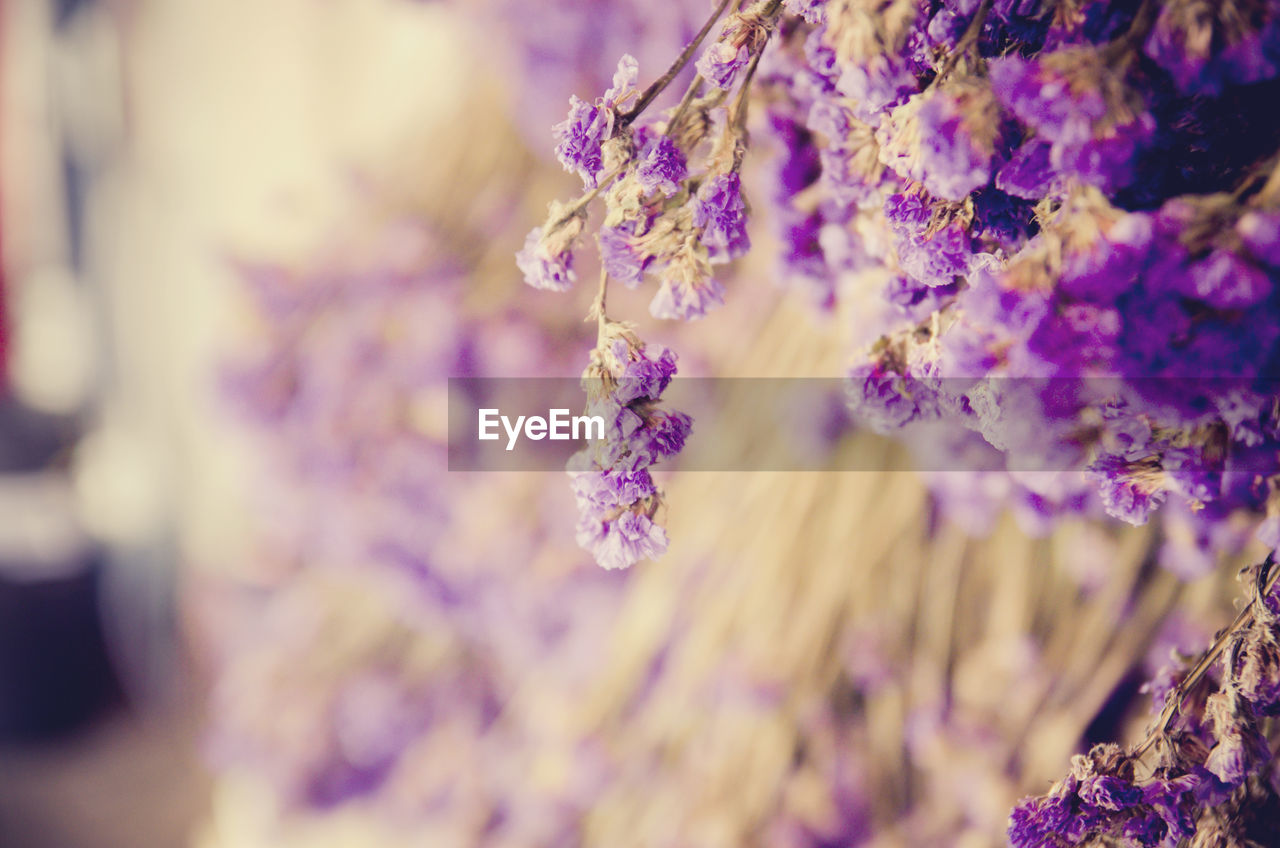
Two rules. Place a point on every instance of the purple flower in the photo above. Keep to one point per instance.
(933, 258)
(580, 137)
(1104, 269)
(1095, 123)
(1036, 822)
(542, 268)
(603, 490)
(721, 213)
(1260, 232)
(582, 134)
(721, 61)
(1223, 280)
(957, 129)
(1238, 755)
(645, 374)
(1205, 47)
(876, 85)
(1129, 490)
(621, 260)
(885, 401)
(662, 168)
(1108, 792)
(1028, 173)
(622, 541)
(813, 11)
(682, 299)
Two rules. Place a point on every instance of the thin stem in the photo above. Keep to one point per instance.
(1174, 704)
(598, 308)
(694, 88)
(966, 41)
(1137, 32)
(739, 109)
(660, 84)
(576, 206)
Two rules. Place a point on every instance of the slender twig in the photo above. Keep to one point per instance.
(598, 308)
(1267, 581)
(660, 84)
(967, 40)
(576, 206)
(1137, 32)
(689, 95)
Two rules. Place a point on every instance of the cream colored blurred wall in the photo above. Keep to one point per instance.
(236, 128)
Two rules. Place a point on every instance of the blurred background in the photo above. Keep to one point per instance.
(242, 601)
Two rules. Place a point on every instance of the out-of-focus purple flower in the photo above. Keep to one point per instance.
(542, 268)
(621, 260)
(813, 11)
(958, 127)
(1223, 280)
(1095, 123)
(680, 298)
(1208, 46)
(1260, 232)
(877, 84)
(720, 62)
(623, 541)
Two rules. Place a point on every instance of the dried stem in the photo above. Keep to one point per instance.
(967, 40)
(1266, 582)
(598, 307)
(576, 206)
(660, 84)
(689, 96)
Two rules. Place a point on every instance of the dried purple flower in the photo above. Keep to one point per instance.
(662, 168)
(721, 213)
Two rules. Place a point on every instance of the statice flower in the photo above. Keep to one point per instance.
(662, 168)
(1210, 747)
(1208, 46)
(721, 213)
(933, 247)
(958, 129)
(1260, 232)
(617, 499)
(546, 260)
(582, 134)
(742, 37)
(720, 63)
(1095, 124)
(813, 11)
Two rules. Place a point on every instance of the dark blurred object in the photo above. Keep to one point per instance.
(54, 667)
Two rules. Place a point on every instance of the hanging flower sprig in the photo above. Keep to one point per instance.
(673, 209)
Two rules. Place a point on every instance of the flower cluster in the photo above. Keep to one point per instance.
(1069, 216)
(673, 209)
(616, 495)
(1056, 229)
(1211, 763)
